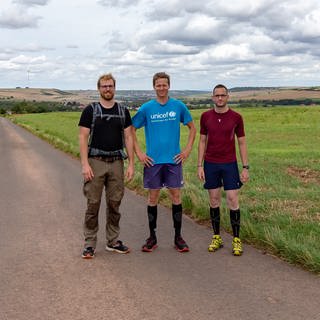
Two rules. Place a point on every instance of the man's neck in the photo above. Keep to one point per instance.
(108, 104)
(221, 110)
(163, 100)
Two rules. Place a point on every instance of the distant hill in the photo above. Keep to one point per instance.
(84, 97)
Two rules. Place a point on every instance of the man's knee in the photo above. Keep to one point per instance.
(232, 201)
(153, 198)
(175, 196)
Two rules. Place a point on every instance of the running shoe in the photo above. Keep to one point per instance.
(88, 253)
(216, 243)
(118, 247)
(150, 245)
(180, 244)
(237, 247)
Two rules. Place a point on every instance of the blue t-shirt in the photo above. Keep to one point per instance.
(162, 128)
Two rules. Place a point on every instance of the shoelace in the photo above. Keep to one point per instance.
(180, 241)
(237, 245)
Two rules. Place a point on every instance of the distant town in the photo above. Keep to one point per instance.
(35, 100)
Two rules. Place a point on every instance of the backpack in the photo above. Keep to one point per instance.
(97, 111)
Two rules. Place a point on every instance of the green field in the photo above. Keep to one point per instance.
(280, 204)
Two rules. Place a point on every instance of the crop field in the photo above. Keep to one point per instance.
(279, 206)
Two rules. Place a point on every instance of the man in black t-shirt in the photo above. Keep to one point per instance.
(105, 128)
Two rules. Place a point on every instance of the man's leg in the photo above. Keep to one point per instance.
(114, 186)
(152, 210)
(92, 190)
(175, 195)
(215, 200)
(233, 204)
(179, 242)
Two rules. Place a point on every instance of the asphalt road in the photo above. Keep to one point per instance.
(43, 277)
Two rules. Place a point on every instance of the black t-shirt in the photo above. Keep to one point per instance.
(107, 132)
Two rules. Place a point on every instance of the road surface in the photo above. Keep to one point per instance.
(43, 277)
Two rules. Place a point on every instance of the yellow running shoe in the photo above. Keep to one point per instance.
(237, 247)
(216, 243)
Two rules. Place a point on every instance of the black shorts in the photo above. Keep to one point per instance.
(221, 174)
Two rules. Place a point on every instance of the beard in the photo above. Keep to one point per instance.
(107, 96)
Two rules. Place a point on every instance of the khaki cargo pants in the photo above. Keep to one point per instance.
(108, 176)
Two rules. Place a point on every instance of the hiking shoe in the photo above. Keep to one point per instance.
(237, 247)
(118, 247)
(88, 253)
(150, 245)
(216, 243)
(180, 244)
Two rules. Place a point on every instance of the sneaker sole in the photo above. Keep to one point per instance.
(87, 257)
(145, 249)
(182, 250)
(214, 249)
(117, 251)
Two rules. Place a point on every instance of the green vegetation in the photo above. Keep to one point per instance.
(280, 204)
(23, 106)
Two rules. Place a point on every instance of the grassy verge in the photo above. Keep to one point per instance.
(280, 204)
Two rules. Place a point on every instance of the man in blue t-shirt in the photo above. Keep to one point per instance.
(163, 159)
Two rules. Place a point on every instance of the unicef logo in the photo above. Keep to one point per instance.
(167, 116)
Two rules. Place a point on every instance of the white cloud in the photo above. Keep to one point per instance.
(17, 18)
(31, 2)
(68, 44)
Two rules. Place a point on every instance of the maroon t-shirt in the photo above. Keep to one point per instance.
(221, 129)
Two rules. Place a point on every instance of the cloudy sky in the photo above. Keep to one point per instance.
(67, 44)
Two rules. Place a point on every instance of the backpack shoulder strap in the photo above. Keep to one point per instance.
(122, 115)
(96, 109)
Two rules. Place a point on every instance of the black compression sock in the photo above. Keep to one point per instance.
(235, 222)
(215, 219)
(152, 218)
(177, 218)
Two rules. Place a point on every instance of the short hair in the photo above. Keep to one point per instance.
(160, 75)
(220, 86)
(107, 76)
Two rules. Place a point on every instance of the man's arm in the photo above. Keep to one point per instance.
(184, 154)
(244, 158)
(128, 137)
(143, 158)
(83, 144)
(201, 151)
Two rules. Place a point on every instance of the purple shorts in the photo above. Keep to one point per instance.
(165, 175)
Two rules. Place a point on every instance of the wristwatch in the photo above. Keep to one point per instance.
(246, 167)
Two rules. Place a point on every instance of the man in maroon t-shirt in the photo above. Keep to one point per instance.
(217, 163)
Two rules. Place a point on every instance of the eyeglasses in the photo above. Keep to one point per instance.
(107, 87)
(220, 95)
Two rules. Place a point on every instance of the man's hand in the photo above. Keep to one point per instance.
(201, 173)
(145, 160)
(87, 172)
(182, 156)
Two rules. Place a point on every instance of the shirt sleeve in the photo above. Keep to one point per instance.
(203, 128)
(128, 120)
(138, 120)
(186, 115)
(86, 117)
(240, 128)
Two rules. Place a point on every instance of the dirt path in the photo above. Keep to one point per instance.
(43, 277)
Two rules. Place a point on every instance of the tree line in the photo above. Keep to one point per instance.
(20, 107)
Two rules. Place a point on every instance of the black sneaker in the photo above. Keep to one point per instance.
(88, 253)
(180, 244)
(118, 247)
(150, 245)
